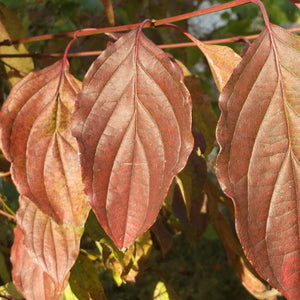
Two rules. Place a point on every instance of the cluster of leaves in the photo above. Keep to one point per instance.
(143, 168)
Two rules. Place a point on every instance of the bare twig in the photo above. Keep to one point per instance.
(93, 31)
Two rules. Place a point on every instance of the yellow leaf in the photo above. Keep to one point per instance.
(14, 68)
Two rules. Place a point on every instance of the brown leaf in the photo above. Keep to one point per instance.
(221, 59)
(54, 247)
(11, 29)
(28, 276)
(133, 126)
(258, 165)
(35, 137)
(163, 237)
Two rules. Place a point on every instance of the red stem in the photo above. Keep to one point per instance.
(164, 46)
(202, 12)
(4, 213)
(92, 31)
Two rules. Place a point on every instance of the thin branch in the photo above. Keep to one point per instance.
(164, 46)
(3, 174)
(4, 213)
(93, 31)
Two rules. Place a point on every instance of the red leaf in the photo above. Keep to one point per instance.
(35, 136)
(296, 2)
(221, 59)
(54, 247)
(258, 165)
(28, 276)
(133, 126)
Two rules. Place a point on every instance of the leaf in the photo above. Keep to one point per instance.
(4, 272)
(164, 291)
(11, 29)
(28, 276)
(9, 289)
(69, 295)
(221, 59)
(53, 247)
(258, 166)
(204, 117)
(133, 125)
(84, 280)
(109, 11)
(160, 292)
(35, 137)
(236, 257)
(191, 180)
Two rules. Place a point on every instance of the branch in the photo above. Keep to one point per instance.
(93, 31)
(164, 46)
(4, 213)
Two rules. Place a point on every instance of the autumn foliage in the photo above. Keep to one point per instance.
(125, 141)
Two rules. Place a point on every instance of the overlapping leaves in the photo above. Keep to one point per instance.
(259, 162)
(36, 138)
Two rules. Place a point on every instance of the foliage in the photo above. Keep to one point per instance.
(120, 189)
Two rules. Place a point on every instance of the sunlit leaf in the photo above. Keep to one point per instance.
(54, 247)
(35, 137)
(258, 166)
(69, 295)
(28, 276)
(11, 29)
(162, 235)
(221, 59)
(164, 292)
(160, 292)
(9, 289)
(133, 126)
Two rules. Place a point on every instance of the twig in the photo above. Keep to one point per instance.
(93, 31)
(164, 46)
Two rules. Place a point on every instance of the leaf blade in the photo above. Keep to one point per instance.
(132, 101)
(52, 246)
(259, 159)
(35, 137)
(27, 274)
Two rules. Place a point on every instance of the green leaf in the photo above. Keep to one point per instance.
(10, 290)
(84, 281)
(164, 291)
(68, 294)
(4, 273)
(10, 29)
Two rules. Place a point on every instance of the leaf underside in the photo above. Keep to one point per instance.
(133, 125)
(35, 137)
(258, 166)
(28, 276)
(52, 246)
